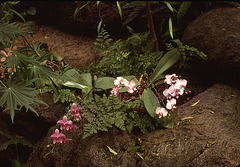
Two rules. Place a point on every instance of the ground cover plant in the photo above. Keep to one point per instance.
(129, 87)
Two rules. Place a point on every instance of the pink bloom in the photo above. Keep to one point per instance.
(181, 84)
(170, 92)
(119, 81)
(72, 128)
(65, 124)
(131, 86)
(115, 91)
(58, 137)
(170, 79)
(161, 112)
(77, 116)
(65, 140)
(75, 111)
(171, 104)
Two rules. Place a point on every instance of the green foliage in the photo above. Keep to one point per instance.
(133, 56)
(13, 140)
(150, 102)
(103, 113)
(140, 121)
(18, 94)
(6, 13)
(187, 53)
(10, 31)
(62, 95)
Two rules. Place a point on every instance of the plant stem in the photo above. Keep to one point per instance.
(17, 152)
(151, 26)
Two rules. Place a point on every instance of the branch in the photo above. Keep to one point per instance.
(151, 26)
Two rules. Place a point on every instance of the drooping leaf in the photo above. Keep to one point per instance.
(18, 94)
(151, 102)
(169, 59)
(18, 14)
(74, 80)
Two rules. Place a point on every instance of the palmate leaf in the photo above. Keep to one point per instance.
(9, 32)
(18, 95)
(13, 140)
(44, 73)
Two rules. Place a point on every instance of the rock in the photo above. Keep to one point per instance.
(91, 151)
(208, 136)
(216, 33)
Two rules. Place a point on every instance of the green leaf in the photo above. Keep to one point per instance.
(168, 60)
(183, 9)
(75, 13)
(18, 94)
(169, 6)
(104, 83)
(130, 30)
(170, 27)
(99, 27)
(151, 102)
(111, 150)
(119, 9)
(168, 122)
(74, 80)
(18, 14)
(98, 2)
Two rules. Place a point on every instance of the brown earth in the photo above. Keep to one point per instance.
(75, 49)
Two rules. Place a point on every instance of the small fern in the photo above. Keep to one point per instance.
(64, 95)
(103, 113)
(103, 40)
(187, 53)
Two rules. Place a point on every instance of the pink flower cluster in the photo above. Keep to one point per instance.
(121, 81)
(67, 125)
(177, 88)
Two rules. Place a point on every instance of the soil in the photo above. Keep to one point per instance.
(75, 49)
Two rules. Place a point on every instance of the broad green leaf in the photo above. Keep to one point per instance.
(74, 80)
(88, 79)
(185, 5)
(167, 61)
(170, 27)
(119, 9)
(104, 83)
(151, 102)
